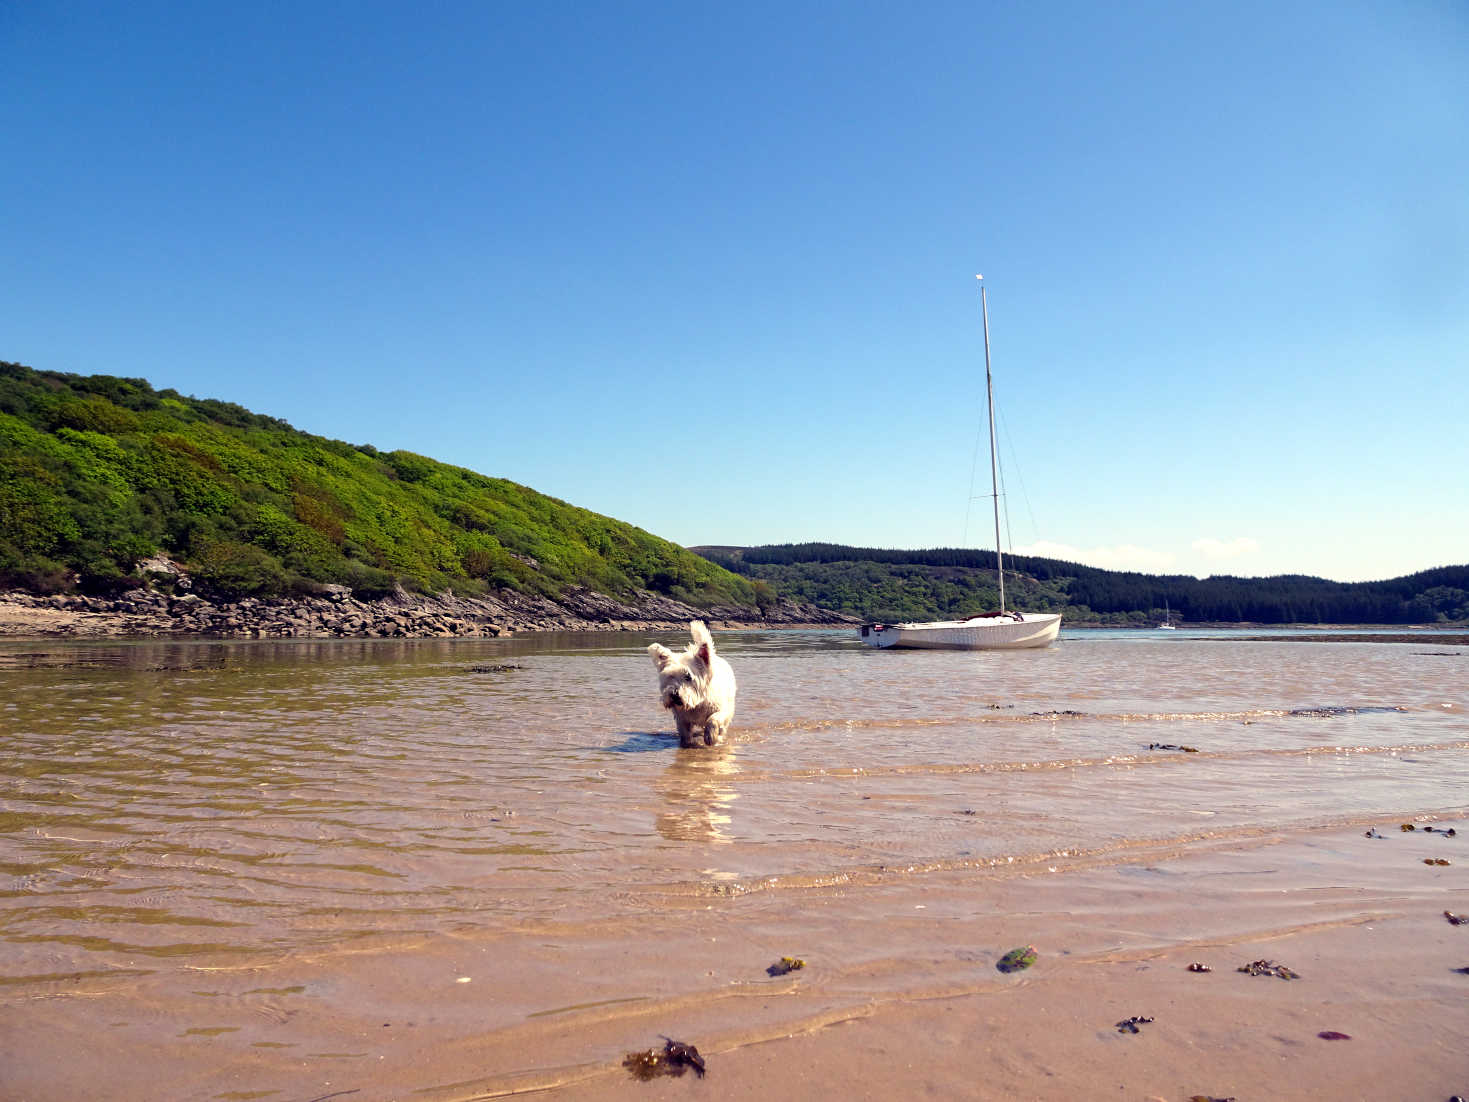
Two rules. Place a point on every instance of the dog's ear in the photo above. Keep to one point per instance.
(661, 655)
(703, 641)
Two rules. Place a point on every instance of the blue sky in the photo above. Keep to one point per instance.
(709, 267)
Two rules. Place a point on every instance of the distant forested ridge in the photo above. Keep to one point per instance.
(941, 583)
(98, 474)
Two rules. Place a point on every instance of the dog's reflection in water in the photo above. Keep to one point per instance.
(699, 788)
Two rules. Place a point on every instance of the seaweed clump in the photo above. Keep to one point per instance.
(1269, 968)
(1017, 960)
(673, 1059)
(785, 965)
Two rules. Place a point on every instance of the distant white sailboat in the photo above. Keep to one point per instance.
(1000, 630)
(1167, 624)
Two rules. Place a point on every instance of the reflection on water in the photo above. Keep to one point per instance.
(215, 802)
(698, 788)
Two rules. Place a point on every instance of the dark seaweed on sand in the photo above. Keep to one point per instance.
(1017, 959)
(1269, 968)
(674, 1059)
(645, 1065)
(684, 1055)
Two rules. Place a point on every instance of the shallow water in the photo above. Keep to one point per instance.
(220, 804)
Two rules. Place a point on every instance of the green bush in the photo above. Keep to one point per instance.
(231, 569)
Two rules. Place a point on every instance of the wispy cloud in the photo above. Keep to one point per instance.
(1124, 557)
(1211, 548)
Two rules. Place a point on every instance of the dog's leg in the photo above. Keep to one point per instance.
(719, 724)
(686, 737)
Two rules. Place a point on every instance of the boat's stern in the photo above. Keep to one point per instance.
(879, 635)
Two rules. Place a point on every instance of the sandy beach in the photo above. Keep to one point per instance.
(900, 997)
(453, 871)
(1375, 958)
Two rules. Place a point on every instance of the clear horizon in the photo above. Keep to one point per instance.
(710, 271)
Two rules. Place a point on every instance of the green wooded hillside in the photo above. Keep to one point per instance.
(98, 473)
(889, 585)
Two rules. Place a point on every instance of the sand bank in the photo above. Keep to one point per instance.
(1422, 638)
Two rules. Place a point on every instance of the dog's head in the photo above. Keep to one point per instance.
(683, 679)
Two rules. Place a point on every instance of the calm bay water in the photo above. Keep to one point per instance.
(221, 803)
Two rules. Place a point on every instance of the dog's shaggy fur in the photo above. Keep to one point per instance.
(697, 686)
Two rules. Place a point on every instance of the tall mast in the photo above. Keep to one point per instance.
(989, 386)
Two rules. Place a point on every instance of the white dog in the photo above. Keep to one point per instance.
(697, 686)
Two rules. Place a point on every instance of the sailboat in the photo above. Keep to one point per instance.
(1167, 624)
(1000, 630)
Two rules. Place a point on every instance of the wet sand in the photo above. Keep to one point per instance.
(900, 997)
(1374, 955)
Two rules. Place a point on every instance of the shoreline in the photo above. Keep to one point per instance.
(151, 614)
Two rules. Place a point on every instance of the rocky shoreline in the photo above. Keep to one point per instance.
(336, 613)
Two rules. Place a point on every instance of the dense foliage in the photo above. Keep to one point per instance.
(98, 473)
(942, 583)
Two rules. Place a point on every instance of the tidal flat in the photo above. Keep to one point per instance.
(456, 869)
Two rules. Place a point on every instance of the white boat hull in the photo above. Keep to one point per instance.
(1033, 629)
